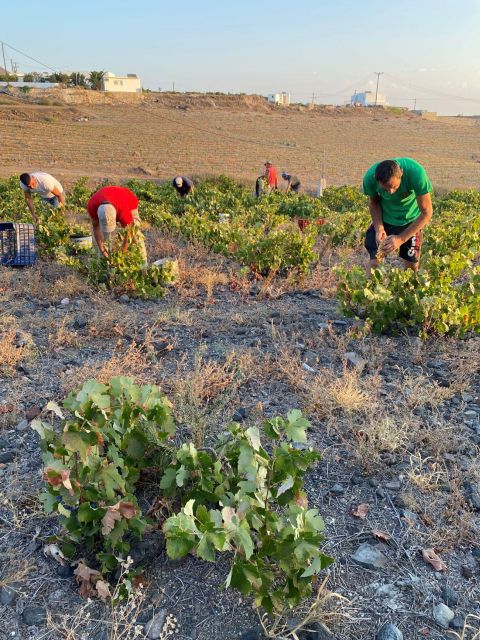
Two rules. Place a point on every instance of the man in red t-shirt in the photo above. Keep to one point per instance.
(271, 176)
(108, 206)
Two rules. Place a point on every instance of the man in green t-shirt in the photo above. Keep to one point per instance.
(400, 206)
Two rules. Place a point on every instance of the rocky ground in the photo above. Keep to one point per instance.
(397, 421)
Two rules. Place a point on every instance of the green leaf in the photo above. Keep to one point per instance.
(77, 443)
(245, 540)
(253, 437)
(296, 426)
(181, 476)
(285, 486)
(135, 448)
(86, 514)
(179, 545)
(112, 481)
(168, 479)
(48, 501)
(206, 548)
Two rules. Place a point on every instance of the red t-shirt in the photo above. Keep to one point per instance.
(122, 199)
(272, 177)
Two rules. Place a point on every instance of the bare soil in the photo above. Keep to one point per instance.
(394, 434)
(161, 135)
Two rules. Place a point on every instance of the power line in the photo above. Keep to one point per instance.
(29, 57)
(434, 91)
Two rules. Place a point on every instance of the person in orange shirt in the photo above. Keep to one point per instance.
(271, 176)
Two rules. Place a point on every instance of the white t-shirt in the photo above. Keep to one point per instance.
(46, 183)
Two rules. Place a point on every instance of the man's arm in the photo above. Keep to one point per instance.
(60, 195)
(30, 205)
(97, 232)
(426, 208)
(375, 208)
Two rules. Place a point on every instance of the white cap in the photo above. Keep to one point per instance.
(107, 217)
(178, 181)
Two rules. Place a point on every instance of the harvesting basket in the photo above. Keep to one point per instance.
(17, 244)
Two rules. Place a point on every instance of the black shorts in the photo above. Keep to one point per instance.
(409, 250)
(295, 187)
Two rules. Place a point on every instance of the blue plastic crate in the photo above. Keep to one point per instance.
(17, 244)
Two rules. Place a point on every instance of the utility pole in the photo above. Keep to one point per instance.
(173, 87)
(313, 99)
(378, 74)
(414, 103)
(4, 63)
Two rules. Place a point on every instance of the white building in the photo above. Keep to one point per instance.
(279, 98)
(124, 84)
(367, 99)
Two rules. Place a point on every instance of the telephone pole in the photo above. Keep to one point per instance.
(313, 99)
(4, 63)
(378, 74)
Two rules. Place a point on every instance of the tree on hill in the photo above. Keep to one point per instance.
(33, 77)
(78, 79)
(95, 80)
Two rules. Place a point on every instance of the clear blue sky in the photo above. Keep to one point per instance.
(428, 49)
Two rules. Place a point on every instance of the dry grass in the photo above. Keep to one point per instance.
(426, 473)
(15, 570)
(422, 391)
(14, 346)
(61, 336)
(196, 278)
(326, 609)
(203, 394)
(132, 362)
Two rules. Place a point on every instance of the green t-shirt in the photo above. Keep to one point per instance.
(400, 208)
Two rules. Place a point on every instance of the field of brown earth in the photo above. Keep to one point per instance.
(160, 135)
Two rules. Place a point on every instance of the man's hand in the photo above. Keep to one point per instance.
(380, 235)
(392, 243)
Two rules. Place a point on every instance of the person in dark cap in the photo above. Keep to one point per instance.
(182, 185)
(293, 182)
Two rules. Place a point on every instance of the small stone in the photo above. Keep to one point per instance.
(393, 485)
(355, 361)
(457, 622)
(239, 415)
(153, 628)
(80, 322)
(308, 368)
(315, 631)
(467, 397)
(124, 298)
(467, 572)
(470, 414)
(337, 490)
(476, 553)
(64, 301)
(3, 443)
(370, 557)
(252, 635)
(449, 596)
(32, 412)
(22, 425)
(9, 593)
(65, 571)
(7, 456)
(34, 616)
(443, 615)
(323, 326)
(389, 632)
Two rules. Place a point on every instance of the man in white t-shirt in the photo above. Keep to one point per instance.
(46, 186)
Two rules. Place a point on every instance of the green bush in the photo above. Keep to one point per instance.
(93, 464)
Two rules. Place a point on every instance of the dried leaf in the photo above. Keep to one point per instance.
(361, 511)
(109, 519)
(83, 573)
(53, 406)
(381, 535)
(431, 557)
(103, 590)
(65, 474)
(127, 510)
(301, 499)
